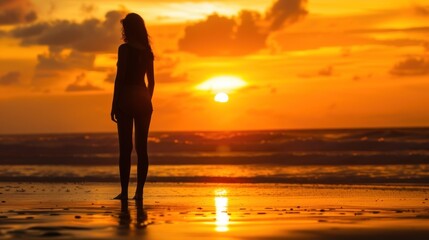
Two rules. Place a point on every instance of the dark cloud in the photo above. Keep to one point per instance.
(57, 60)
(242, 34)
(28, 33)
(16, 11)
(10, 78)
(284, 11)
(412, 66)
(80, 85)
(210, 37)
(72, 45)
(91, 35)
(55, 63)
(249, 36)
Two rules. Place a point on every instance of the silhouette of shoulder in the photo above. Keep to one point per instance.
(123, 48)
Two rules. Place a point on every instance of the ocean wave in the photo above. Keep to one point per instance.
(282, 147)
(417, 174)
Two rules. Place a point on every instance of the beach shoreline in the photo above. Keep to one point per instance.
(209, 210)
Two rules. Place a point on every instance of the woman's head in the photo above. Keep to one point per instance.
(134, 30)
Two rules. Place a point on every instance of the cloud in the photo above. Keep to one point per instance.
(57, 60)
(165, 71)
(412, 66)
(10, 78)
(351, 30)
(91, 35)
(242, 34)
(71, 45)
(213, 36)
(56, 64)
(80, 85)
(16, 11)
(284, 11)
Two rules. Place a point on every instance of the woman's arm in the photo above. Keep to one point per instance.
(151, 78)
(120, 75)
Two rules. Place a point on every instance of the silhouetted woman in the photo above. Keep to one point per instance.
(132, 100)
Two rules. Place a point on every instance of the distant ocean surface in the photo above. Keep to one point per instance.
(343, 156)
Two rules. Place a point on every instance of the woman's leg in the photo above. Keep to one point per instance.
(125, 135)
(142, 123)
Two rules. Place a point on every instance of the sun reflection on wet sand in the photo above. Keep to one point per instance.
(222, 217)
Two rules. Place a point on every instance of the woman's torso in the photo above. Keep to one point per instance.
(133, 95)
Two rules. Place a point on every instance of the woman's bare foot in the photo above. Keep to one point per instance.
(138, 196)
(121, 197)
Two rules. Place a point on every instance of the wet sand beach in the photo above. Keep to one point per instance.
(214, 211)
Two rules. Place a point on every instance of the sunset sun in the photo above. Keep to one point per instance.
(222, 86)
(221, 97)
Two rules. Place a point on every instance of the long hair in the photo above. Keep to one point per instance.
(134, 29)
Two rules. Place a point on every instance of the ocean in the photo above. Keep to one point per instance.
(337, 156)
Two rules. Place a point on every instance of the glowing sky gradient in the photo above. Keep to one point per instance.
(305, 64)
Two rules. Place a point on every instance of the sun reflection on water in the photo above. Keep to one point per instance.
(222, 217)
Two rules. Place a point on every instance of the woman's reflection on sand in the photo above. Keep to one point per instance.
(125, 226)
(141, 215)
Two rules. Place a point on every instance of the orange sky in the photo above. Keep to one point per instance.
(300, 64)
